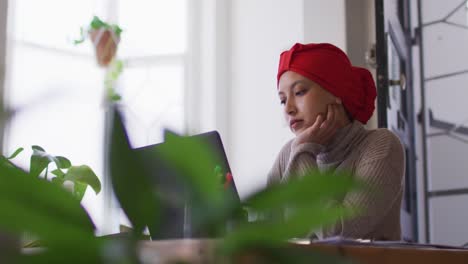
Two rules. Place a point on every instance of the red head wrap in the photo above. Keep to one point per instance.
(329, 67)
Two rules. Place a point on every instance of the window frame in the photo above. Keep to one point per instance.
(111, 215)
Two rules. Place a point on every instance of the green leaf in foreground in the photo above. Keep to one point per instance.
(62, 162)
(85, 175)
(40, 160)
(59, 173)
(131, 183)
(38, 207)
(313, 187)
(274, 233)
(79, 190)
(18, 151)
(196, 163)
(310, 205)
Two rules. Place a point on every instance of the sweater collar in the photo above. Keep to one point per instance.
(342, 143)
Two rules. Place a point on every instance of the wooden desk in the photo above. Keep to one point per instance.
(387, 254)
(202, 251)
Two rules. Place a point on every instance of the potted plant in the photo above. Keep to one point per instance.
(105, 38)
(74, 178)
(33, 205)
(267, 237)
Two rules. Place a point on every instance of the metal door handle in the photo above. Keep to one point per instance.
(401, 82)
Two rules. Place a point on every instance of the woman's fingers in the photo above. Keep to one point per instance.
(318, 123)
(310, 133)
(335, 116)
(324, 124)
(324, 127)
(329, 127)
(331, 116)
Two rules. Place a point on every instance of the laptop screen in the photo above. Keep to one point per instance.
(177, 210)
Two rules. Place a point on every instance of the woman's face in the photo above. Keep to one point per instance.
(302, 100)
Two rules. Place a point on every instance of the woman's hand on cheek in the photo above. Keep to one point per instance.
(322, 131)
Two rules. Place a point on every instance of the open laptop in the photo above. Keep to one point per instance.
(177, 209)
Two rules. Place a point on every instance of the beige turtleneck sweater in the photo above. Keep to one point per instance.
(376, 157)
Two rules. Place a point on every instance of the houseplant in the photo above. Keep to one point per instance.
(105, 38)
(75, 178)
(308, 196)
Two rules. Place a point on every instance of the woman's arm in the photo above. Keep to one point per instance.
(276, 172)
(296, 160)
(302, 159)
(382, 171)
(293, 160)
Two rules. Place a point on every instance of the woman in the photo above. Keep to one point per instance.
(326, 101)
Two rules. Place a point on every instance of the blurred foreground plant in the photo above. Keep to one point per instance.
(63, 225)
(309, 198)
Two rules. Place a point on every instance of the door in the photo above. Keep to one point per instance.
(443, 34)
(395, 94)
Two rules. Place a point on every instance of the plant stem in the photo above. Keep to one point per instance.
(46, 171)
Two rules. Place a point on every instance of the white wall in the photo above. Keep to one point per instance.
(3, 32)
(261, 29)
(350, 25)
(325, 21)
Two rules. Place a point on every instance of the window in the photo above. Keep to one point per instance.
(54, 91)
